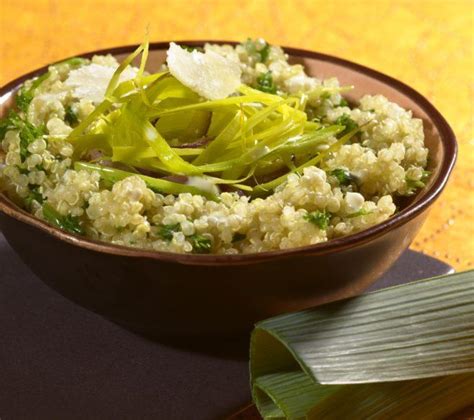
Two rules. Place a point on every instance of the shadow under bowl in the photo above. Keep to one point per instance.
(165, 294)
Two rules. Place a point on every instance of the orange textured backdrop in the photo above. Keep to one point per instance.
(428, 44)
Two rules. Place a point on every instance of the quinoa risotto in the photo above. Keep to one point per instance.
(226, 150)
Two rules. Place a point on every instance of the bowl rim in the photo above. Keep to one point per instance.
(448, 142)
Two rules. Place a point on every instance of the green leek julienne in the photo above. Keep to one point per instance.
(145, 123)
(163, 186)
(403, 352)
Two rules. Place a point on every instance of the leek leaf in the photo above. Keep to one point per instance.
(129, 86)
(216, 147)
(88, 142)
(166, 154)
(169, 87)
(268, 186)
(402, 352)
(219, 120)
(254, 132)
(90, 119)
(188, 151)
(215, 104)
(114, 81)
(132, 129)
(190, 126)
(162, 186)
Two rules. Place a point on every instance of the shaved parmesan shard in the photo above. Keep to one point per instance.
(91, 81)
(203, 184)
(209, 74)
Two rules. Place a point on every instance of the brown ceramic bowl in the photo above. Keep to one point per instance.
(162, 293)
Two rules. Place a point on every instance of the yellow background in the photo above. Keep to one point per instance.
(426, 44)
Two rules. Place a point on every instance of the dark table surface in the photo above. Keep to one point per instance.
(60, 361)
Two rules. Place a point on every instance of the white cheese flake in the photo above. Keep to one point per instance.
(202, 184)
(209, 74)
(91, 81)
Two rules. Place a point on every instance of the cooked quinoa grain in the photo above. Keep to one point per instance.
(353, 188)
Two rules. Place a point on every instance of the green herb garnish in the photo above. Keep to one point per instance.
(347, 122)
(264, 52)
(252, 49)
(70, 116)
(201, 244)
(265, 83)
(343, 176)
(13, 121)
(23, 99)
(343, 102)
(34, 195)
(68, 223)
(25, 95)
(27, 131)
(166, 231)
(319, 218)
(414, 184)
(190, 48)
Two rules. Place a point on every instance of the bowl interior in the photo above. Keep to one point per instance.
(438, 136)
(363, 82)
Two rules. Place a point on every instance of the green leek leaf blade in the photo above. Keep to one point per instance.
(402, 352)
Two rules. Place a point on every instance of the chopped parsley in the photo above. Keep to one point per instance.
(68, 223)
(15, 121)
(264, 52)
(189, 48)
(319, 218)
(343, 102)
(347, 122)
(23, 99)
(343, 176)
(70, 116)
(34, 195)
(261, 53)
(25, 95)
(414, 184)
(201, 244)
(27, 131)
(10, 122)
(166, 231)
(238, 237)
(265, 83)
